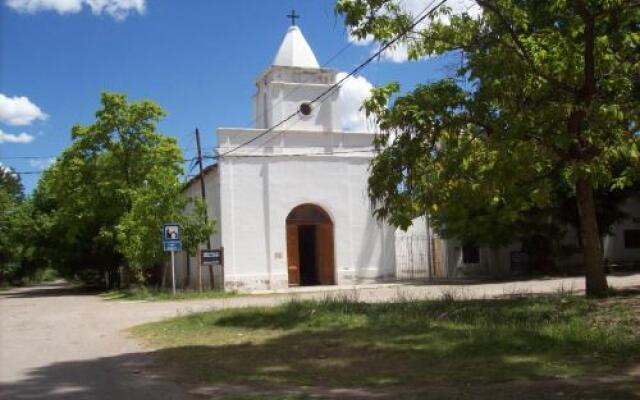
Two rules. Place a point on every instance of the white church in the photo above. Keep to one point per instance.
(291, 205)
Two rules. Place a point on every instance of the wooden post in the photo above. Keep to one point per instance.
(204, 198)
(222, 268)
(199, 268)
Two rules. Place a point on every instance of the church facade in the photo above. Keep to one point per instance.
(291, 203)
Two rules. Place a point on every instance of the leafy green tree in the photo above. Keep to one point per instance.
(19, 260)
(96, 182)
(10, 183)
(11, 197)
(554, 94)
(195, 230)
(158, 201)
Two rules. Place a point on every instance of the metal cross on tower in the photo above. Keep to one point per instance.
(293, 17)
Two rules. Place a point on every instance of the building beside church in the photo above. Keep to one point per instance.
(290, 199)
(291, 206)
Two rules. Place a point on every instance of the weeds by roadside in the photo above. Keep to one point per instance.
(147, 294)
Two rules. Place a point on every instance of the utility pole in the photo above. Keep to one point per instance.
(204, 198)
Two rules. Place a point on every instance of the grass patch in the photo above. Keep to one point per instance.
(345, 343)
(164, 295)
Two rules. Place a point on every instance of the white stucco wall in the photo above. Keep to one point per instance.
(281, 90)
(186, 271)
(261, 183)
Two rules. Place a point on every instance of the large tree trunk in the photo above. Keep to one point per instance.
(596, 280)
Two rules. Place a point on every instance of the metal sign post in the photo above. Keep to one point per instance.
(171, 242)
(173, 272)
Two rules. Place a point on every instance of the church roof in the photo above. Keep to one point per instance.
(295, 51)
(206, 171)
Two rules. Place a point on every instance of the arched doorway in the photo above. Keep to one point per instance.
(310, 246)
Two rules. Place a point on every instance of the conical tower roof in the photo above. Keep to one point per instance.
(295, 51)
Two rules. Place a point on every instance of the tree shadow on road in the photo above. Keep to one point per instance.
(119, 377)
(49, 290)
(130, 376)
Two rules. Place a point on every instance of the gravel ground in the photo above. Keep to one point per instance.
(57, 342)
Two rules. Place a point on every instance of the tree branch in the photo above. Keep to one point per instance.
(521, 50)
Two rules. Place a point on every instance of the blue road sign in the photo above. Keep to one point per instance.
(172, 246)
(171, 237)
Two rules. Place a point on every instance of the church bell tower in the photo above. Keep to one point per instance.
(290, 85)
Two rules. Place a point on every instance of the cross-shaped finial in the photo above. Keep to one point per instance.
(293, 17)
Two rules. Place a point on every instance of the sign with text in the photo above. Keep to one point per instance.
(172, 246)
(212, 257)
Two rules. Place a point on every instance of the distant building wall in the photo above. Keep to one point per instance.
(621, 248)
(623, 245)
(187, 265)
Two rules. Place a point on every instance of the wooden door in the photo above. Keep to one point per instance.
(293, 256)
(324, 251)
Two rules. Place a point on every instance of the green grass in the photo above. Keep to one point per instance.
(344, 343)
(164, 295)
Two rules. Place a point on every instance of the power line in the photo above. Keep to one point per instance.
(322, 96)
(281, 99)
(27, 172)
(47, 157)
(310, 154)
(379, 52)
(25, 157)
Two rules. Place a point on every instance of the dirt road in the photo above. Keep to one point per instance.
(57, 342)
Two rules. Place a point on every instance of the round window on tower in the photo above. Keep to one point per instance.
(305, 109)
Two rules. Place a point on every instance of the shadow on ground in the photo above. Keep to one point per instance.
(129, 377)
(50, 290)
(472, 349)
(119, 377)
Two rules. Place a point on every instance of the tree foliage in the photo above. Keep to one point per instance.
(552, 106)
(103, 202)
(11, 199)
(157, 202)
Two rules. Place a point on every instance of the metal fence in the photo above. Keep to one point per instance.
(419, 257)
(412, 257)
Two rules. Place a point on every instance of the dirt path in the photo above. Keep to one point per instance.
(57, 342)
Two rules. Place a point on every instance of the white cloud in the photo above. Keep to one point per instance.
(19, 138)
(42, 163)
(8, 170)
(19, 111)
(398, 52)
(353, 92)
(118, 9)
(5, 169)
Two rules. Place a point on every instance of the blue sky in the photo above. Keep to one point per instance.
(197, 58)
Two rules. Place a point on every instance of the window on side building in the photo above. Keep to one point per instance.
(470, 254)
(632, 239)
